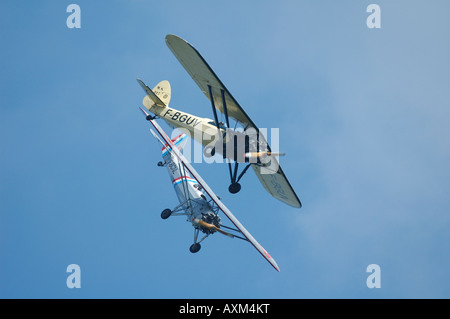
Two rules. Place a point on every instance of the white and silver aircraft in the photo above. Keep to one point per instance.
(246, 146)
(193, 193)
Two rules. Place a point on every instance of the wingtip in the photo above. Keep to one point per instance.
(169, 37)
(297, 204)
(143, 111)
(275, 265)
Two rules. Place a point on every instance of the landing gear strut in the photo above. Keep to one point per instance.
(234, 186)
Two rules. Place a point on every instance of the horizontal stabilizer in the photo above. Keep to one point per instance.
(159, 96)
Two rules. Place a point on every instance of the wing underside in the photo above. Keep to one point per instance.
(204, 76)
(277, 185)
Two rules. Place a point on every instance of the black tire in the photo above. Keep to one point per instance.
(195, 248)
(234, 188)
(166, 213)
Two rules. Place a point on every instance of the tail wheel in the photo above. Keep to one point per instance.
(209, 151)
(195, 248)
(166, 213)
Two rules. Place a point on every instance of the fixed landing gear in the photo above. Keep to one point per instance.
(209, 151)
(195, 248)
(166, 213)
(234, 188)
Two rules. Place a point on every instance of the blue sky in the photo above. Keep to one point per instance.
(363, 117)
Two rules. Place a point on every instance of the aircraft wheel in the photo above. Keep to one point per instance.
(166, 213)
(234, 188)
(209, 151)
(195, 248)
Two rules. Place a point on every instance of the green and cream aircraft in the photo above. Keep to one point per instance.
(246, 146)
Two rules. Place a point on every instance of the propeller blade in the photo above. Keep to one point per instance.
(211, 226)
(224, 232)
(262, 154)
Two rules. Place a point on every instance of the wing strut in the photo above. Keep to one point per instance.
(214, 109)
(243, 172)
(225, 109)
(234, 185)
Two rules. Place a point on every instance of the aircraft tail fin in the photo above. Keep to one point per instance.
(159, 96)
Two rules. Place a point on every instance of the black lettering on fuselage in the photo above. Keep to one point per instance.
(176, 116)
(189, 120)
(167, 112)
(182, 117)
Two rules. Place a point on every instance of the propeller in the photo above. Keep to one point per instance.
(211, 227)
(262, 154)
